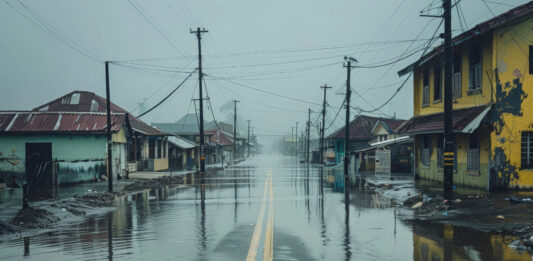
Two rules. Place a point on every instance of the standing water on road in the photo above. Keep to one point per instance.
(268, 206)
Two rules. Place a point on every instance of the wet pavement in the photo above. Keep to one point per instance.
(268, 206)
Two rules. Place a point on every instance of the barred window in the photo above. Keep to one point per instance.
(425, 150)
(527, 150)
(473, 153)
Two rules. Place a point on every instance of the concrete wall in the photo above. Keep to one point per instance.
(64, 148)
(82, 157)
(513, 110)
(461, 177)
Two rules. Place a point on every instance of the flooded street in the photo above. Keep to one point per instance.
(268, 205)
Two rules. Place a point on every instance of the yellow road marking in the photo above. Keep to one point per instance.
(252, 251)
(268, 250)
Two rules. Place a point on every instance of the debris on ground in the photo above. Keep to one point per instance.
(413, 200)
(153, 184)
(515, 200)
(417, 205)
(32, 217)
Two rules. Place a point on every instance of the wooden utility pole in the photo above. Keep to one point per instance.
(235, 129)
(349, 67)
(292, 140)
(198, 33)
(248, 139)
(449, 156)
(109, 138)
(307, 148)
(296, 136)
(325, 87)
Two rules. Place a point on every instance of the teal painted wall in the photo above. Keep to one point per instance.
(64, 147)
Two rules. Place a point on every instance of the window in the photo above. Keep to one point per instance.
(425, 90)
(151, 149)
(457, 77)
(94, 106)
(527, 150)
(530, 59)
(473, 153)
(437, 83)
(425, 150)
(75, 99)
(475, 70)
(158, 149)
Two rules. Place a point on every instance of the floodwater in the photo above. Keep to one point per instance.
(269, 206)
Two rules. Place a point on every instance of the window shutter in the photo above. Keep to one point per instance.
(477, 74)
(425, 95)
(457, 85)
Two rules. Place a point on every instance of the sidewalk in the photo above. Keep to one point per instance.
(159, 174)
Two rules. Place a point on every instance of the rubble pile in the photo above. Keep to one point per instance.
(33, 217)
(153, 184)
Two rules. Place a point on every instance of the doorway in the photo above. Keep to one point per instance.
(39, 179)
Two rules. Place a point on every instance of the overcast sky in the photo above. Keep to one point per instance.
(290, 48)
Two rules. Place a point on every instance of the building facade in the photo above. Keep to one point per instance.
(492, 117)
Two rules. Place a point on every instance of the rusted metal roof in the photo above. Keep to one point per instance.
(83, 101)
(515, 14)
(361, 127)
(60, 122)
(434, 123)
(220, 137)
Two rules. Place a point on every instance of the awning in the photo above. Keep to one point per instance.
(396, 141)
(465, 120)
(181, 142)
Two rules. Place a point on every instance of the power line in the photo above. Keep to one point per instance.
(403, 84)
(210, 105)
(267, 92)
(46, 27)
(288, 50)
(170, 94)
(166, 37)
(488, 7)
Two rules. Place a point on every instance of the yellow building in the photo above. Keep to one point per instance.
(492, 118)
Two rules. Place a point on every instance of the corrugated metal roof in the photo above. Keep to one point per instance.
(181, 142)
(28, 122)
(361, 127)
(220, 137)
(83, 101)
(434, 123)
(482, 28)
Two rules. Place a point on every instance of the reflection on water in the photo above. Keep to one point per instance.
(319, 214)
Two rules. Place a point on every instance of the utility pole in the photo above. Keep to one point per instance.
(292, 142)
(349, 67)
(307, 148)
(449, 156)
(109, 139)
(325, 87)
(235, 129)
(198, 33)
(255, 141)
(296, 136)
(248, 138)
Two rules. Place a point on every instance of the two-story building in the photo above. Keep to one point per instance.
(492, 118)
